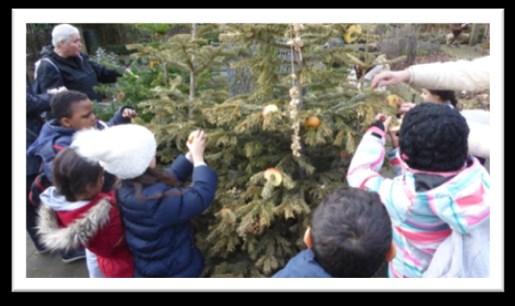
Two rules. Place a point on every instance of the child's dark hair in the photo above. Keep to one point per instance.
(433, 137)
(153, 176)
(62, 102)
(445, 95)
(351, 233)
(73, 174)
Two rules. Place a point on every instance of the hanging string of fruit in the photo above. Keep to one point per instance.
(296, 45)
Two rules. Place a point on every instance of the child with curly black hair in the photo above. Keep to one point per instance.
(442, 189)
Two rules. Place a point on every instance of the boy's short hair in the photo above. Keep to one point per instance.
(351, 232)
(433, 137)
(61, 103)
(72, 173)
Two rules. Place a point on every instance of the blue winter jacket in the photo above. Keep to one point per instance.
(303, 264)
(36, 106)
(158, 231)
(53, 137)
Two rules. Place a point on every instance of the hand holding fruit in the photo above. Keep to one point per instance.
(129, 113)
(386, 120)
(197, 144)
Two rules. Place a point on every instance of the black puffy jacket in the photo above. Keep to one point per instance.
(77, 73)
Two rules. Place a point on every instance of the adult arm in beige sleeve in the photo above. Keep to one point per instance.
(459, 75)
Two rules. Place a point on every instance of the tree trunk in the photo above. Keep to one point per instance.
(474, 34)
(411, 46)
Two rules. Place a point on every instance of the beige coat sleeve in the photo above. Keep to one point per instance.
(460, 75)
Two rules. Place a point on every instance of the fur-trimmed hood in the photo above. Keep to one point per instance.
(75, 234)
(57, 202)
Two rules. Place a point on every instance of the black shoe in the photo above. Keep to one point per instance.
(73, 255)
(42, 250)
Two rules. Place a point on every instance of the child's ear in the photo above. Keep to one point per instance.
(101, 180)
(65, 122)
(390, 255)
(308, 240)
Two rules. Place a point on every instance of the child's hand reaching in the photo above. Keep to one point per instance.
(382, 121)
(196, 145)
(394, 137)
(129, 113)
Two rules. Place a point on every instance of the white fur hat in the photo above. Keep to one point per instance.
(124, 150)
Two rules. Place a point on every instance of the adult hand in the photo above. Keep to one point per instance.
(390, 78)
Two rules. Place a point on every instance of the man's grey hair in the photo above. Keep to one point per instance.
(63, 32)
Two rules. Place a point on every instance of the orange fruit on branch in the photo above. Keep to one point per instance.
(394, 100)
(312, 122)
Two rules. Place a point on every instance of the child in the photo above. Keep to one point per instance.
(478, 121)
(72, 111)
(155, 211)
(37, 105)
(442, 189)
(439, 96)
(76, 213)
(446, 97)
(350, 236)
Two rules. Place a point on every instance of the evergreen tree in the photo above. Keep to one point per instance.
(279, 143)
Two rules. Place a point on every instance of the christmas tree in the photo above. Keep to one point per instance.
(284, 107)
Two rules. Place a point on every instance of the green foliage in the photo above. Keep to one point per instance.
(160, 28)
(105, 111)
(108, 59)
(112, 61)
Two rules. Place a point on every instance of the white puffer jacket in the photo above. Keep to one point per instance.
(480, 132)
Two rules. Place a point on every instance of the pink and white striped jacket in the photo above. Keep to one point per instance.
(425, 207)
